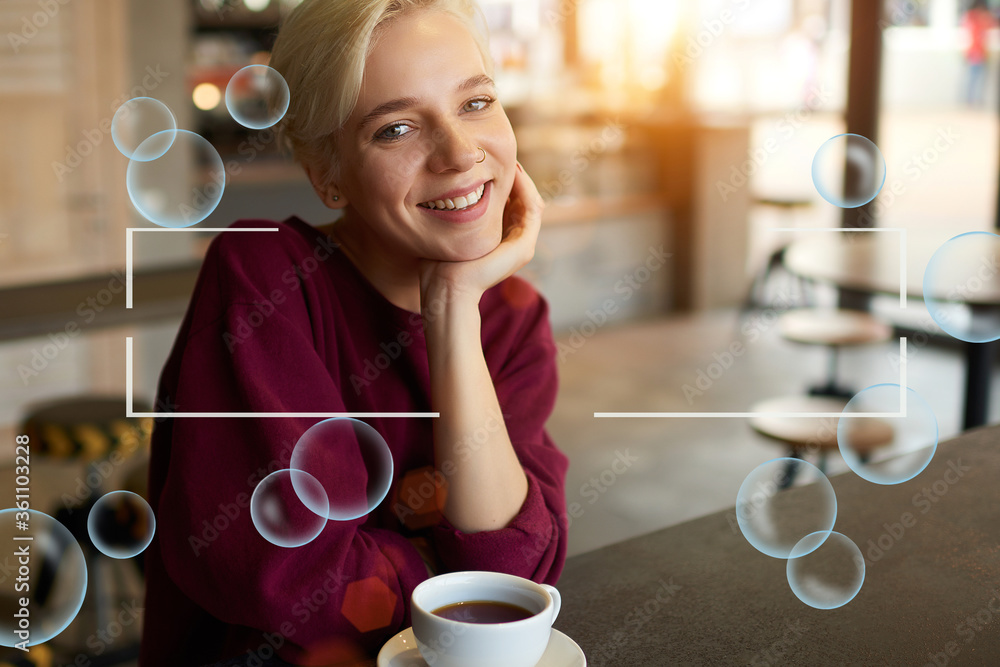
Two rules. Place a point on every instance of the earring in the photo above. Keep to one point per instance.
(484, 155)
(336, 198)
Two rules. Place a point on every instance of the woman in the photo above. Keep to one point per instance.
(395, 119)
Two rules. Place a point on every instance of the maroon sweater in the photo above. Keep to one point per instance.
(284, 322)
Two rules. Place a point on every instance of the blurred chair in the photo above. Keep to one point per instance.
(788, 207)
(93, 432)
(792, 290)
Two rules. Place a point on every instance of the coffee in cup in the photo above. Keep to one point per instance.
(483, 619)
(483, 611)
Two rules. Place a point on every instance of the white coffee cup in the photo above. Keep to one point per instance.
(446, 643)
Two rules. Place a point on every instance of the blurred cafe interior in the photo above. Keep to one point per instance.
(693, 160)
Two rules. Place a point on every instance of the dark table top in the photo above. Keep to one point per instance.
(699, 594)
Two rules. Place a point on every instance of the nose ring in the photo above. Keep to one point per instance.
(484, 155)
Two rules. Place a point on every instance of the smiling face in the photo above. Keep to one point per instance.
(425, 109)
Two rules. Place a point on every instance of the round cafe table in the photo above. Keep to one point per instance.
(869, 262)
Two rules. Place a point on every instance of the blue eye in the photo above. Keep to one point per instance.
(487, 102)
(397, 131)
(391, 133)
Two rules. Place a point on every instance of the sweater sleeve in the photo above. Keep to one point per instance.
(533, 544)
(349, 586)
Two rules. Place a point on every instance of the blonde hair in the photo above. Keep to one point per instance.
(321, 51)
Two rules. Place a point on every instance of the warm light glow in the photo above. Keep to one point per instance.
(630, 46)
(652, 77)
(206, 96)
(721, 84)
(602, 30)
(256, 5)
(654, 23)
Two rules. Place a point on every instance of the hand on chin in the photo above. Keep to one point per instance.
(498, 258)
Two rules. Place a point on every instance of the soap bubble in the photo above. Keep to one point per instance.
(962, 289)
(257, 97)
(863, 164)
(281, 508)
(56, 576)
(775, 520)
(907, 444)
(155, 191)
(121, 524)
(826, 576)
(333, 451)
(139, 119)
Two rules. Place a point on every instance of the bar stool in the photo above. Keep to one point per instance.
(815, 435)
(835, 329)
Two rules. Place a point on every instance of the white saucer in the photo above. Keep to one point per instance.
(402, 651)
